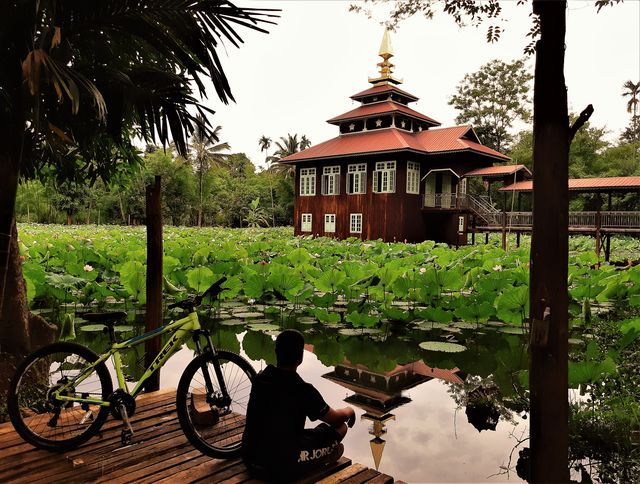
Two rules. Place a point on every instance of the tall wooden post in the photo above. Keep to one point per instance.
(153, 318)
(504, 230)
(549, 252)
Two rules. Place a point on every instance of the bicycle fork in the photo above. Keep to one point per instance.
(222, 399)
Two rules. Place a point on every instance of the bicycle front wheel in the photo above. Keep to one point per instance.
(212, 420)
(51, 423)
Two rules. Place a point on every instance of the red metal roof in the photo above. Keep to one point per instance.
(442, 140)
(365, 142)
(622, 183)
(381, 108)
(500, 170)
(456, 138)
(382, 89)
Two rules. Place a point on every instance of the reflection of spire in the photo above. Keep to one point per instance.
(386, 67)
(377, 430)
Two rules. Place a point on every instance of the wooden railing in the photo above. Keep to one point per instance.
(491, 217)
(603, 220)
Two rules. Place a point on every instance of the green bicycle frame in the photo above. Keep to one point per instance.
(181, 330)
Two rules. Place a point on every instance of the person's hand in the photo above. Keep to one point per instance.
(351, 416)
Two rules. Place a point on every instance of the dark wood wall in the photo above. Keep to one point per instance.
(388, 216)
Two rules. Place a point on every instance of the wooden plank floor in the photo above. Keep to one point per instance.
(160, 453)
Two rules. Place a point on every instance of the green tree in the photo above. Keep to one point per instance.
(632, 90)
(265, 144)
(70, 197)
(77, 80)
(492, 99)
(632, 132)
(287, 146)
(206, 153)
(552, 136)
(256, 215)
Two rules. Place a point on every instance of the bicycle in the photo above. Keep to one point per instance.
(62, 394)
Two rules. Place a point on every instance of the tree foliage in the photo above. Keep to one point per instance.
(492, 99)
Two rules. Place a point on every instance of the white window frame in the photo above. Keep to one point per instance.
(355, 223)
(307, 182)
(306, 222)
(413, 177)
(331, 180)
(357, 174)
(329, 222)
(384, 177)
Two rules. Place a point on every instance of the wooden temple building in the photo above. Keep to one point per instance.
(395, 174)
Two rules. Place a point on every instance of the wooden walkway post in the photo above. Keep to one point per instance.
(153, 318)
(549, 431)
(504, 230)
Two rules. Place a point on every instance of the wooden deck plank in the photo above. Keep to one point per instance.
(343, 475)
(364, 476)
(381, 479)
(160, 453)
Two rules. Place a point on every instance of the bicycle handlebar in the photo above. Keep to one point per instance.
(191, 303)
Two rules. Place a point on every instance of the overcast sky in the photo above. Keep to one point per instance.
(303, 72)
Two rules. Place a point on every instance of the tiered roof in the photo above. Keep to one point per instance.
(384, 123)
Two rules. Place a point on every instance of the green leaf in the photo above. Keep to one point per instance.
(442, 346)
(512, 306)
(360, 320)
(200, 278)
(299, 256)
(438, 315)
(326, 317)
(330, 280)
(255, 286)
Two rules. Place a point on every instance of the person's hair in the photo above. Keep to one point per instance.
(289, 347)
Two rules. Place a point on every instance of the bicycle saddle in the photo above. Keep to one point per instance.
(105, 317)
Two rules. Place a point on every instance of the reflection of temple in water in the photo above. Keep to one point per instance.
(378, 393)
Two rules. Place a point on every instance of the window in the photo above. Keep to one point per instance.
(331, 180)
(413, 177)
(308, 182)
(329, 222)
(384, 177)
(305, 226)
(356, 223)
(357, 179)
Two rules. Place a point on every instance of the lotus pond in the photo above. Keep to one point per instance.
(428, 343)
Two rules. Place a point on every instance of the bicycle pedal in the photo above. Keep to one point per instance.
(126, 437)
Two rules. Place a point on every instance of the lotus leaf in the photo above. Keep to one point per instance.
(442, 346)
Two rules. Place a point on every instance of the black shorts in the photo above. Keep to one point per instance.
(317, 444)
(315, 448)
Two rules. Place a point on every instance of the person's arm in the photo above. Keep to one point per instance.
(336, 417)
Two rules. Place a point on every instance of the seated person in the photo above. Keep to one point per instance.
(275, 444)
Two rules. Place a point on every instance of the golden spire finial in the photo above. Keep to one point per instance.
(386, 67)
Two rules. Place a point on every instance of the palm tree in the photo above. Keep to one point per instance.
(79, 79)
(265, 144)
(632, 91)
(206, 154)
(286, 147)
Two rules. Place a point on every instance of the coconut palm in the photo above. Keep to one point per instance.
(78, 79)
(265, 144)
(206, 153)
(286, 147)
(632, 91)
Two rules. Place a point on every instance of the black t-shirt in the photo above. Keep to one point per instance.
(279, 403)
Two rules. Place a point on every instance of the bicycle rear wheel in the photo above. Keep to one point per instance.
(49, 423)
(215, 426)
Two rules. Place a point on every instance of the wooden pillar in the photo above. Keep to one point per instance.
(549, 431)
(598, 237)
(504, 230)
(486, 237)
(153, 318)
(518, 239)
